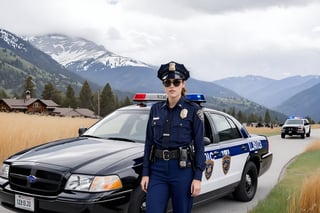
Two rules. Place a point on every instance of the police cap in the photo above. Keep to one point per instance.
(173, 70)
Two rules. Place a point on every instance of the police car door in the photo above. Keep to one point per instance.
(225, 157)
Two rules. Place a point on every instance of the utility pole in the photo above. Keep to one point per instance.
(99, 103)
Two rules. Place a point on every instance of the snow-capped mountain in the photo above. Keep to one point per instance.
(99, 65)
(12, 41)
(78, 54)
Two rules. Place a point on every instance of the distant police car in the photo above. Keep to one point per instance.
(296, 126)
(100, 171)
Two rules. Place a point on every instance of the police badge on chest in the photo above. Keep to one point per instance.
(183, 113)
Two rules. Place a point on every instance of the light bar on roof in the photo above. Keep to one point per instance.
(294, 117)
(195, 97)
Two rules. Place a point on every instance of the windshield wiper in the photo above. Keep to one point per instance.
(121, 139)
(90, 136)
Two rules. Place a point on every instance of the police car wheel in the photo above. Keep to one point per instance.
(248, 184)
(308, 134)
(137, 201)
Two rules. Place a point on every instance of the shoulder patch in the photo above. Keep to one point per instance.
(200, 114)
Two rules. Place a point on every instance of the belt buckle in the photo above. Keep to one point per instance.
(166, 155)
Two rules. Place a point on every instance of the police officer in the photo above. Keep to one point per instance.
(174, 150)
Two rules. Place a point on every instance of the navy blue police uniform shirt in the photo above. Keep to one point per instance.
(186, 126)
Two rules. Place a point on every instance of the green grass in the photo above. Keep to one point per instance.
(281, 196)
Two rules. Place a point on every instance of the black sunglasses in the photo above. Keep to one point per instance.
(168, 82)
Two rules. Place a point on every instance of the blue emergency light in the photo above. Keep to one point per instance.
(294, 117)
(196, 98)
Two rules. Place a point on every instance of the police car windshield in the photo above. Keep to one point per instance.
(294, 121)
(123, 125)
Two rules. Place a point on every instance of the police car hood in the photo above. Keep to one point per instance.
(83, 155)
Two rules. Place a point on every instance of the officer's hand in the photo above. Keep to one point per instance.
(195, 188)
(144, 183)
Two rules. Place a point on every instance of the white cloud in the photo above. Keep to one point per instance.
(213, 38)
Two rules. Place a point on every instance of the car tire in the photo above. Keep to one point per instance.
(308, 134)
(137, 201)
(283, 135)
(303, 135)
(247, 187)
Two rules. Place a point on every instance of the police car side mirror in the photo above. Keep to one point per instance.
(206, 140)
(81, 131)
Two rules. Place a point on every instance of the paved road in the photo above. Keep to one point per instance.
(284, 150)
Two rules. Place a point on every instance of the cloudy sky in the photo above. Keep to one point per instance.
(215, 39)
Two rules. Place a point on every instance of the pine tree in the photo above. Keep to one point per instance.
(85, 96)
(107, 101)
(51, 93)
(96, 102)
(267, 118)
(232, 111)
(70, 99)
(48, 91)
(126, 102)
(241, 117)
(3, 94)
(29, 85)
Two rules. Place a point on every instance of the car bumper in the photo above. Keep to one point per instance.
(74, 202)
(293, 132)
(266, 161)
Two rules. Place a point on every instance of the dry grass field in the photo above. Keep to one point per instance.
(264, 130)
(272, 131)
(20, 131)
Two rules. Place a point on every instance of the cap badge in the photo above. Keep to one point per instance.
(183, 113)
(172, 66)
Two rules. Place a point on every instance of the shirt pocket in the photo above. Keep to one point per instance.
(182, 131)
(157, 127)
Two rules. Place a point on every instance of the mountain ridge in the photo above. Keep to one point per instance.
(266, 91)
(100, 65)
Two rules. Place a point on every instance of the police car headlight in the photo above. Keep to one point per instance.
(5, 171)
(90, 183)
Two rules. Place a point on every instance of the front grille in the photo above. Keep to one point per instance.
(291, 129)
(36, 180)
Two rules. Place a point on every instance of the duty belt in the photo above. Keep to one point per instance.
(167, 154)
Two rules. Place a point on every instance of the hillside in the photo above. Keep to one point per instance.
(268, 92)
(305, 103)
(19, 59)
(294, 95)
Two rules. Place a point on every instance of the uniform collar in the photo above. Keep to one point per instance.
(179, 104)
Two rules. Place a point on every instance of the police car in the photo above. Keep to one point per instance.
(100, 171)
(296, 125)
